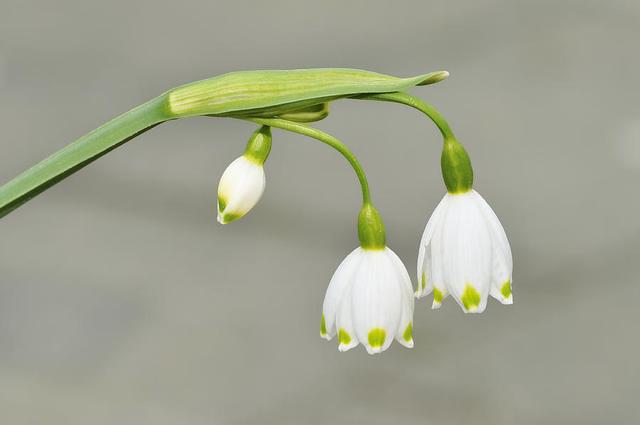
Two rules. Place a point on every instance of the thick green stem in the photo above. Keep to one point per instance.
(325, 138)
(418, 104)
(80, 153)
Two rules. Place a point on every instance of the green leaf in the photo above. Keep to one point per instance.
(79, 154)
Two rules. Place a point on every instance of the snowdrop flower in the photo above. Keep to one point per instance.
(242, 183)
(370, 297)
(464, 250)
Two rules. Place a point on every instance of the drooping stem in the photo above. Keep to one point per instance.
(457, 171)
(325, 138)
(420, 105)
(80, 153)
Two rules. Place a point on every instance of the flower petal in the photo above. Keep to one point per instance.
(341, 279)
(425, 275)
(376, 301)
(502, 267)
(496, 229)
(500, 278)
(404, 334)
(440, 291)
(344, 322)
(424, 270)
(467, 254)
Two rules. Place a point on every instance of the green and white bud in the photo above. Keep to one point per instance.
(243, 182)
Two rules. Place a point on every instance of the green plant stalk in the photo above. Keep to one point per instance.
(245, 94)
(416, 103)
(457, 171)
(371, 231)
(80, 153)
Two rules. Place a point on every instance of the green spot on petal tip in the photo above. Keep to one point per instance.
(438, 296)
(344, 337)
(323, 326)
(228, 218)
(222, 204)
(408, 333)
(505, 290)
(377, 337)
(470, 298)
(423, 282)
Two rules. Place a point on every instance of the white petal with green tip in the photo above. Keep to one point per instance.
(377, 301)
(339, 282)
(347, 338)
(425, 264)
(404, 334)
(467, 256)
(440, 291)
(501, 275)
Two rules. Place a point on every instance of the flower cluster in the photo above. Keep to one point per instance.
(464, 252)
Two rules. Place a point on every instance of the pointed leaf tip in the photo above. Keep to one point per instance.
(433, 77)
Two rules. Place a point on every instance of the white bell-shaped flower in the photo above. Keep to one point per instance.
(465, 252)
(243, 182)
(369, 301)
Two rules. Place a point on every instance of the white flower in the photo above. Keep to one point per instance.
(240, 188)
(369, 301)
(465, 252)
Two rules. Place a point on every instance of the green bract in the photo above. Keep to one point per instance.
(272, 93)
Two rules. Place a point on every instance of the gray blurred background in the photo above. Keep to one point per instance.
(122, 301)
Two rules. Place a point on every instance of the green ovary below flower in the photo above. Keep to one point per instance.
(465, 252)
(369, 301)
